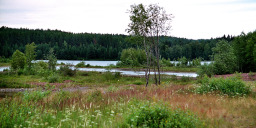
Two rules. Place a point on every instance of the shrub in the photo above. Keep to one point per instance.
(110, 76)
(67, 70)
(206, 69)
(81, 65)
(183, 62)
(18, 60)
(166, 63)
(184, 79)
(160, 116)
(133, 57)
(53, 78)
(231, 86)
(196, 62)
(52, 60)
(138, 83)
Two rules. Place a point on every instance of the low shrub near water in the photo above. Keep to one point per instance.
(232, 86)
(160, 116)
(67, 70)
(80, 65)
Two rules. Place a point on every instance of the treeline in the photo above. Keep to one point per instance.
(90, 46)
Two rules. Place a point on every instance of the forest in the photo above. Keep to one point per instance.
(92, 46)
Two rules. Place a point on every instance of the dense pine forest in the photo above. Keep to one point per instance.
(91, 46)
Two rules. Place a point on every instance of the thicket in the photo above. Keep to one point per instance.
(153, 115)
(133, 57)
(232, 86)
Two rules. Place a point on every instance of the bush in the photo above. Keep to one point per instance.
(53, 78)
(110, 76)
(133, 57)
(183, 62)
(166, 63)
(81, 65)
(206, 69)
(196, 62)
(160, 116)
(67, 70)
(18, 60)
(231, 86)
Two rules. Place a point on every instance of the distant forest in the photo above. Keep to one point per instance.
(91, 46)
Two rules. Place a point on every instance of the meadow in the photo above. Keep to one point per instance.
(113, 100)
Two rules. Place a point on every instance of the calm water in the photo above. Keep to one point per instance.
(106, 63)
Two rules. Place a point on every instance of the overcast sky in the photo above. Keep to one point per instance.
(194, 19)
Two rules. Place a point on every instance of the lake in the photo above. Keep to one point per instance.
(106, 63)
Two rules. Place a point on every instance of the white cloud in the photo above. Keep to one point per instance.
(193, 19)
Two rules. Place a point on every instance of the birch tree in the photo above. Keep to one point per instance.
(150, 22)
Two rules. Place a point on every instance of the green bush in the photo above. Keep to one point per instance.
(81, 65)
(66, 70)
(160, 116)
(53, 78)
(183, 62)
(133, 57)
(196, 62)
(110, 76)
(231, 86)
(18, 60)
(166, 63)
(206, 69)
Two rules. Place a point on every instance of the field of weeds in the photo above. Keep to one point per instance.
(176, 103)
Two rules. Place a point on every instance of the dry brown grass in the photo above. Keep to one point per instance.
(216, 110)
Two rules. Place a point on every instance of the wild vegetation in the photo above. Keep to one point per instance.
(65, 97)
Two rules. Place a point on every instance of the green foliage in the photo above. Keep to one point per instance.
(245, 51)
(52, 60)
(183, 62)
(138, 83)
(160, 116)
(224, 58)
(166, 63)
(4, 60)
(35, 96)
(196, 62)
(111, 76)
(66, 70)
(54, 77)
(81, 65)
(18, 60)
(231, 86)
(133, 57)
(206, 69)
(30, 54)
(13, 113)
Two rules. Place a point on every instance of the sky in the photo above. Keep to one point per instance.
(193, 19)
